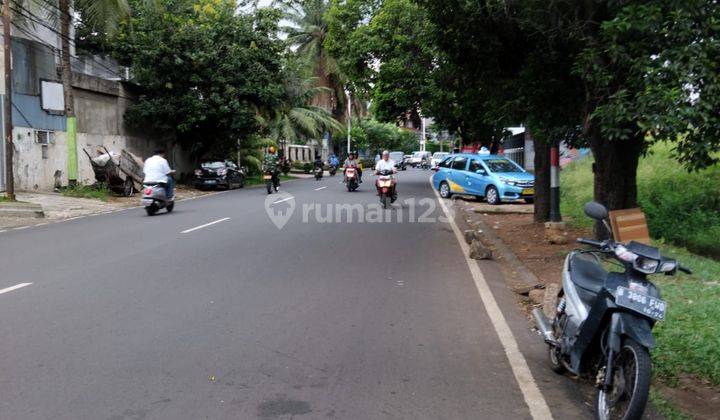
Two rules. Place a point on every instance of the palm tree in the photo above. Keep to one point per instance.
(297, 119)
(306, 31)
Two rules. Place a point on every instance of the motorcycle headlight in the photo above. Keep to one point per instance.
(646, 265)
(198, 172)
(668, 266)
(222, 172)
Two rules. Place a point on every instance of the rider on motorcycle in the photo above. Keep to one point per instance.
(270, 164)
(351, 162)
(157, 169)
(334, 162)
(387, 164)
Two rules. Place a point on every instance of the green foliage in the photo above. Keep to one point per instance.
(87, 191)
(206, 70)
(375, 136)
(682, 207)
(294, 119)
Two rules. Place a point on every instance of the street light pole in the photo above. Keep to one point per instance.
(7, 108)
(349, 113)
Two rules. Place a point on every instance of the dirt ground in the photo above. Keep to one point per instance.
(692, 396)
(526, 239)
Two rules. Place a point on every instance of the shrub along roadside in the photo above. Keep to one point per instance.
(86, 191)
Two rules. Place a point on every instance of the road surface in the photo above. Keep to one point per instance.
(213, 312)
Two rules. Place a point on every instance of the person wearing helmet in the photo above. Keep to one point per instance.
(270, 164)
(352, 162)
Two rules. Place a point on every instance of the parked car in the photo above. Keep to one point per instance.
(437, 157)
(219, 174)
(398, 158)
(492, 177)
(417, 157)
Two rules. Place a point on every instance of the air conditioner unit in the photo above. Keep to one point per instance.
(44, 137)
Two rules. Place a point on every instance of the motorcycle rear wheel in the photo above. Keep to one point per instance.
(151, 210)
(631, 384)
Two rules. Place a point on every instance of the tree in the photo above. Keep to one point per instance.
(207, 71)
(306, 33)
(295, 119)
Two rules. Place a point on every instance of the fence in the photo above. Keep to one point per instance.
(517, 155)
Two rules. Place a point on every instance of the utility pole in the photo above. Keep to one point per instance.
(72, 159)
(7, 108)
(422, 139)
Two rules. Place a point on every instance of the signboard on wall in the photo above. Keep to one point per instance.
(52, 98)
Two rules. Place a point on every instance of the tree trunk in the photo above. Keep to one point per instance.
(542, 180)
(72, 165)
(615, 172)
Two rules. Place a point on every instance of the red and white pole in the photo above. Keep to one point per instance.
(555, 185)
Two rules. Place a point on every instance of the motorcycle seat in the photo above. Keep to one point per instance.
(152, 184)
(587, 273)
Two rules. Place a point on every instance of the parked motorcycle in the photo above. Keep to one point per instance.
(318, 173)
(603, 324)
(272, 181)
(424, 165)
(155, 199)
(386, 188)
(351, 179)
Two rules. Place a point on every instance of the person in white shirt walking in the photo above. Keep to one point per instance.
(157, 170)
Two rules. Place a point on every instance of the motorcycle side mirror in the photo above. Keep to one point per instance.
(596, 211)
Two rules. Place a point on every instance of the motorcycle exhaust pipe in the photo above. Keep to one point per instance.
(543, 324)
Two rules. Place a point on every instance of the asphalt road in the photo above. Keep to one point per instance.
(177, 317)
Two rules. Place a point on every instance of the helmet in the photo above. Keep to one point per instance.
(272, 149)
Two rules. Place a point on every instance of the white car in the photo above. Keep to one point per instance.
(417, 157)
(437, 157)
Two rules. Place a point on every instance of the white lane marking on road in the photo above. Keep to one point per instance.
(1, 231)
(11, 288)
(20, 227)
(205, 225)
(533, 397)
(321, 188)
(284, 199)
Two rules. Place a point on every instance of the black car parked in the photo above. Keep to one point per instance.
(219, 173)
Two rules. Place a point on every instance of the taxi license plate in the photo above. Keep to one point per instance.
(528, 191)
(641, 303)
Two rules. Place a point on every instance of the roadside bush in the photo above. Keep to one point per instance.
(681, 207)
(307, 167)
(368, 163)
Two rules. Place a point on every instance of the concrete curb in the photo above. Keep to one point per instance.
(17, 209)
(528, 280)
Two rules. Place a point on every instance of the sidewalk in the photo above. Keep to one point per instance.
(57, 206)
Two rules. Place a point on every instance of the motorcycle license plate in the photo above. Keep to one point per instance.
(146, 201)
(266, 177)
(528, 191)
(210, 181)
(640, 303)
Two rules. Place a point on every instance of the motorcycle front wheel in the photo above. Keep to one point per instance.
(627, 398)
(269, 187)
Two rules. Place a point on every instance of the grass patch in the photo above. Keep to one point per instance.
(682, 208)
(688, 340)
(86, 191)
